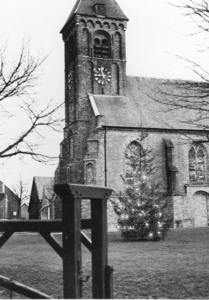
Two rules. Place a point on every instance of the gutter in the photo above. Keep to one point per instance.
(154, 129)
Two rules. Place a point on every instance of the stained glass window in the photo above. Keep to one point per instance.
(196, 164)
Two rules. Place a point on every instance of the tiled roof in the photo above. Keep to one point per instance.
(117, 111)
(139, 108)
(86, 7)
(40, 182)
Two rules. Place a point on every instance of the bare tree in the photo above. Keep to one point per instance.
(190, 96)
(19, 101)
(21, 193)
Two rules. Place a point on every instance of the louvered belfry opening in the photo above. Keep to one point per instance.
(101, 46)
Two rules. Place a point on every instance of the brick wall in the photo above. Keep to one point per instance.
(181, 202)
(86, 165)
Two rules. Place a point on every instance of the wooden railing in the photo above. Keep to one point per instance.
(71, 227)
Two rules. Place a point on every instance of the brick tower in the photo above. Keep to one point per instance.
(95, 63)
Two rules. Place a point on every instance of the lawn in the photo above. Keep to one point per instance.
(176, 268)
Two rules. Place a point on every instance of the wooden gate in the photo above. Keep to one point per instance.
(71, 227)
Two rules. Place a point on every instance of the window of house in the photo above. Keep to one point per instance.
(101, 46)
(196, 163)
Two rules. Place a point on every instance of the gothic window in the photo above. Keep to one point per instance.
(170, 168)
(133, 159)
(90, 174)
(196, 164)
(102, 45)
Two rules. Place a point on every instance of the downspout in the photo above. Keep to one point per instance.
(105, 155)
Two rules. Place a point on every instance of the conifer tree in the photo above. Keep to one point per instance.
(141, 209)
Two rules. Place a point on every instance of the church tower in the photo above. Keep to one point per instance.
(95, 58)
(95, 63)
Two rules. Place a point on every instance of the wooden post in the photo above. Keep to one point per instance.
(108, 282)
(71, 214)
(71, 195)
(99, 246)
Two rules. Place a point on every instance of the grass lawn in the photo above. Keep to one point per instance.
(176, 268)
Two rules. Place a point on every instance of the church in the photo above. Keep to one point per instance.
(105, 111)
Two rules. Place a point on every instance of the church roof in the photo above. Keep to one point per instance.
(139, 108)
(113, 110)
(86, 8)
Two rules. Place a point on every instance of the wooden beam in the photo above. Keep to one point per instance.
(22, 289)
(53, 243)
(37, 225)
(82, 191)
(31, 225)
(108, 282)
(4, 238)
(86, 241)
(99, 246)
(86, 224)
(71, 215)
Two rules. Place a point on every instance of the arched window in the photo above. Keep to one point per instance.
(133, 159)
(197, 163)
(102, 45)
(90, 174)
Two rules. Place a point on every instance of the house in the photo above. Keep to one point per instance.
(24, 211)
(41, 197)
(105, 111)
(8, 203)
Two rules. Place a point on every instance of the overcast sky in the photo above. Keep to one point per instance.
(156, 33)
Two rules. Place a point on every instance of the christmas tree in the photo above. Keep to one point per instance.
(141, 209)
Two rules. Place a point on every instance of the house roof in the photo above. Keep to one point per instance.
(40, 182)
(141, 101)
(86, 7)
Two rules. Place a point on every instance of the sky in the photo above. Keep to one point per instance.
(157, 32)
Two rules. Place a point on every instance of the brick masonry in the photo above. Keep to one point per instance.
(93, 155)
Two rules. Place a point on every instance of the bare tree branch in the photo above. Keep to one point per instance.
(17, 82)
(21, 193)
(187, 96)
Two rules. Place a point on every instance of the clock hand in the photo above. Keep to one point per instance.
(103, 75)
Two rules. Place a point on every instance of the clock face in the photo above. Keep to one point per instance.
(102, 75)
(70, 79)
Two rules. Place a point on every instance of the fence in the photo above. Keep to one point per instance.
(71, 227)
